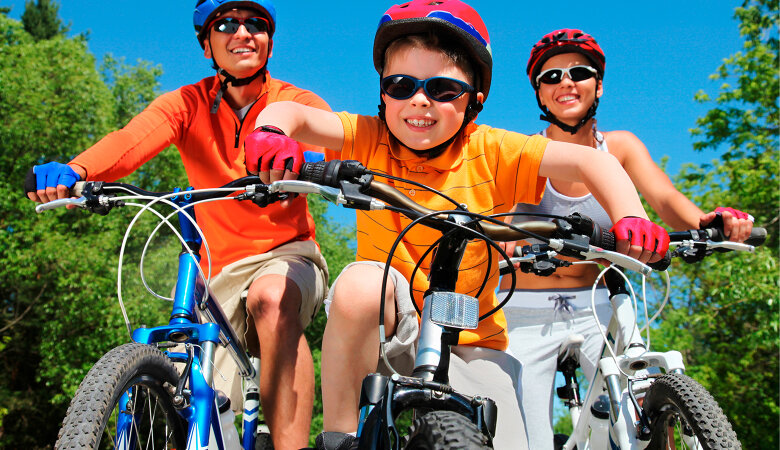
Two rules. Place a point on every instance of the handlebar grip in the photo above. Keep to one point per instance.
(757, 236)
(30, 182)
(313, 172)
(663, 263)
(606, 240)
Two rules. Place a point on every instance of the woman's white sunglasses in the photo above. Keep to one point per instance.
(575, 73)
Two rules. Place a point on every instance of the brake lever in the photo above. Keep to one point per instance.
(591, 252)
(618, 259)
(80, 202)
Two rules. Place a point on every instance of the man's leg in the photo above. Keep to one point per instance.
(287, 374)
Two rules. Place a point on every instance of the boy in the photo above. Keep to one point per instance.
(269, 254)
(435, 62)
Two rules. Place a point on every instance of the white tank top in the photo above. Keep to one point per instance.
(553, 202)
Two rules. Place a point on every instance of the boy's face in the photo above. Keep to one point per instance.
(419, 122)
(569, 100)
(241, 53)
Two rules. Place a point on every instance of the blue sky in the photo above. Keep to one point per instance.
(659, 54)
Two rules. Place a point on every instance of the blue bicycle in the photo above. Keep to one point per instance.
(157, 391)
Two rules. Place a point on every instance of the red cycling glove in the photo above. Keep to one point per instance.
(269, 148)
(642, 232)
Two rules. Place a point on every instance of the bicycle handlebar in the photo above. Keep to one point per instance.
(350, 184)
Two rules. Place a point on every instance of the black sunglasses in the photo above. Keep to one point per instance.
(229, 25)
(575, 73)
(440, 89)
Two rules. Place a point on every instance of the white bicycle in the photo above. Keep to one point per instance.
(638, 398)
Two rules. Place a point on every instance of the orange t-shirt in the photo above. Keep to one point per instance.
(488, 169)
(211, 147)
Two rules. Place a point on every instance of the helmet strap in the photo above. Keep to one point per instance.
(230, 79)
(471, 112)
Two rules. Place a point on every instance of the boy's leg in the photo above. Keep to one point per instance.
(350, 345)
(493, 374)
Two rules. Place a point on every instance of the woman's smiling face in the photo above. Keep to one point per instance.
(568, 100)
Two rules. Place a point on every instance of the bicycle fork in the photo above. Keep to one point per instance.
(629, 425)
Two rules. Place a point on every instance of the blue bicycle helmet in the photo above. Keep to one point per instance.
(205, 10)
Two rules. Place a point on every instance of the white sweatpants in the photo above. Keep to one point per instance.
(535, 334)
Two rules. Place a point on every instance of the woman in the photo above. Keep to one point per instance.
(566, 69)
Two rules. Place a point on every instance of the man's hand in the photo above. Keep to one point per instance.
(640, 239)
(737, 225)
(52, 181)
(272, 155)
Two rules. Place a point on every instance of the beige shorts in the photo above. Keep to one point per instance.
(299, 261)
(473, 370)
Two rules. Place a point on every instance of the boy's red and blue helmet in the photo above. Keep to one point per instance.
(452, 18)
(564, 41)
(206, 10)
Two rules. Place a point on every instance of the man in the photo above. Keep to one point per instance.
(268, 268)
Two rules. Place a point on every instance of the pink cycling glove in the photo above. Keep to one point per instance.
(642, 232)
(269, 148)
(734, 212)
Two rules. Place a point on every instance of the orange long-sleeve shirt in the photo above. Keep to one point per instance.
(212, 150)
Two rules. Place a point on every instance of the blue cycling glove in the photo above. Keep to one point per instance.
(53, 174)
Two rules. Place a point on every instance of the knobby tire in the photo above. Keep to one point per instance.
(445, 430)
(677, 405)
(90, 422)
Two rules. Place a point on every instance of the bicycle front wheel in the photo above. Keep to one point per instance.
(684, 415)
(123, 403)
(445, 430)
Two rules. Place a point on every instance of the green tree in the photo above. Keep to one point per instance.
(58, 308)
(726, 318)
(41, 19)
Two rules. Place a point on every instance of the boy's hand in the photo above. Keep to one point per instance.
(640, 239)
(737, 225)
(272, 155)
(52, 181)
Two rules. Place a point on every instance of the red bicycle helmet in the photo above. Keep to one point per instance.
(564, 41)
(448, 17)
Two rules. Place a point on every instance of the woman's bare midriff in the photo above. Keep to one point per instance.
(576, 276)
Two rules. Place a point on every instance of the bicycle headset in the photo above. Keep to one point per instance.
(206, 11)
(453, 20)
(558, 42)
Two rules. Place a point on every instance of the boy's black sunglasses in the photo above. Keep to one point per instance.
(440, 89)
(575, 73)
(229, 25)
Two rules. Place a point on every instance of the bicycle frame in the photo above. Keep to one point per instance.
(198, 322)
(383, 398)
(632, 358)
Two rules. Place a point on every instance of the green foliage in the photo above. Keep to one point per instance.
(59, 311)
(40, 19)
(726, 316)
(744, 121)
